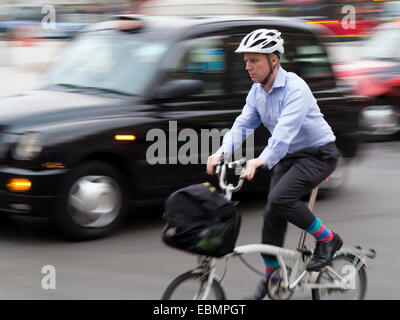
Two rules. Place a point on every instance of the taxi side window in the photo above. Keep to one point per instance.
(241, 81)
(204, 59)
(309, 60)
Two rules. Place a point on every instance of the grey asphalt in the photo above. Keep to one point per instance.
(134, 264)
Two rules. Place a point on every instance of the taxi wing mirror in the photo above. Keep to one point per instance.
(175, 89)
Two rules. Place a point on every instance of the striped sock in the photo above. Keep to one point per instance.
(270, 265)
(319, 231)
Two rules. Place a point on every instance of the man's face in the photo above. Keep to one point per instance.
(257, 65)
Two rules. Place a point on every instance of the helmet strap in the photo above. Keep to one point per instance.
(272, 69)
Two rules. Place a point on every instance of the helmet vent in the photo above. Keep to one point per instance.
(271, 44)
(257, 43)
(246, 40)
(258, 34)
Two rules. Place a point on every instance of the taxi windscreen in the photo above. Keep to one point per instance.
(121, 64)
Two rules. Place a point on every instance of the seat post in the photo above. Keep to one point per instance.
(311, 203)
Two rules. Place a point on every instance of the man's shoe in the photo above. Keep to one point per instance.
(260, 292)
(324, 252)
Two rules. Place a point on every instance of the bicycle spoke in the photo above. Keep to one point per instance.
(344, 279)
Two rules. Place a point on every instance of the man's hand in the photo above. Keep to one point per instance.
(252, 166)
(212, 161)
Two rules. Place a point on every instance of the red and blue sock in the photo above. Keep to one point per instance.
(319, 231)
(270, 265)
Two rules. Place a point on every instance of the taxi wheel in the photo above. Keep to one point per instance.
(92, 202)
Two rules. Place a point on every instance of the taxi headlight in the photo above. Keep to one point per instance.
(28, 146)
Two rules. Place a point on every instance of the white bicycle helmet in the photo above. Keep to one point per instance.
(262, 41)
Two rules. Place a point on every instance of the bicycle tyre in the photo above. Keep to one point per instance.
(360, 281)
(196, 277)
(274, 282)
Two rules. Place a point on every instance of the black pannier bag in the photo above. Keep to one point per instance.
(200, 220)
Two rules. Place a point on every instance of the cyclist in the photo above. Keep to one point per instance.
(301, 151)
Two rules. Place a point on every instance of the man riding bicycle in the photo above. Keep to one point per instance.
(301, 151)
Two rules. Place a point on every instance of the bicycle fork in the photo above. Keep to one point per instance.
(207, 267)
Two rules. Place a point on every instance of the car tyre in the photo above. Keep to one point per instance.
(92, 202)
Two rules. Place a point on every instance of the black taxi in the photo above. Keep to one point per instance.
(133, 107)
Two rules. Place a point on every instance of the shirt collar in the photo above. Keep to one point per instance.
(280, 79)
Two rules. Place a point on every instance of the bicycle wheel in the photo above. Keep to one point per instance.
(191, 286)
(276, 291)
(342, 265)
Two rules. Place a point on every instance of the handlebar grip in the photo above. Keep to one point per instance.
(221, 159)
(220, 164)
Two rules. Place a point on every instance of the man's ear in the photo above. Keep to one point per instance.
(275, 59)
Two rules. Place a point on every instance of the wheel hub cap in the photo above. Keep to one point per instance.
(94, 201)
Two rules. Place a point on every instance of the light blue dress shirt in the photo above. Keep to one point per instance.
(289, 111)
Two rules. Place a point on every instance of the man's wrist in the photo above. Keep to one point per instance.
(261, 162)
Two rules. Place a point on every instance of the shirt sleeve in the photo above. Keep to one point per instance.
(296, 107)
(244, 125)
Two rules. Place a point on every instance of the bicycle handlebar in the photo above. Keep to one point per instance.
(221, 171)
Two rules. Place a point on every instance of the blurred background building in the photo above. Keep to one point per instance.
(346, 19)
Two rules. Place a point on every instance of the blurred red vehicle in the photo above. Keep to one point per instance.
(376, 75)
(362, 29)
(346, 20)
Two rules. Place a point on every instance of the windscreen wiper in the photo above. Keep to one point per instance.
(84, 88)
(107, 90)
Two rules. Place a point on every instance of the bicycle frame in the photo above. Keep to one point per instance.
(206, 265)
(282, 253)
(298, 256)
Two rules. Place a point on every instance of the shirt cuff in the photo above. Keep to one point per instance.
(268, 156)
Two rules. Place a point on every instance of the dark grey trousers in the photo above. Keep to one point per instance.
(293, 178)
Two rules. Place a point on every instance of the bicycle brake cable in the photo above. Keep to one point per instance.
(226, 267)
